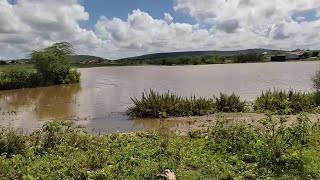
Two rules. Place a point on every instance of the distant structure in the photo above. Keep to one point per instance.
(290, 55)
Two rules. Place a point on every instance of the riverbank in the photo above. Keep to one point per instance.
(61, 150)
(182, 125)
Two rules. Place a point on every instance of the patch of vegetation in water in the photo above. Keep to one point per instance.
(51, 67)
(62, 150)
(154, 104)
(286, 102)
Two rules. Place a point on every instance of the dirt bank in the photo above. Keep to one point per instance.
(184, 124)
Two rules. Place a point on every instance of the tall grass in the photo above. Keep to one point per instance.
(19, 77)
(284, 102)
(154, 104)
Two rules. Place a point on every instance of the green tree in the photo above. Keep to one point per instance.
(315, 53)
(54, 64)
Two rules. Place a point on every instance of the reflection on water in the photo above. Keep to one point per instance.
(30, 105)
(103, 96)
(46, 103)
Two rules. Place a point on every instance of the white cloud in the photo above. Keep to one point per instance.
(168, 18)
(230, 24)
(271, 21)
(33, 24)
(141, 33)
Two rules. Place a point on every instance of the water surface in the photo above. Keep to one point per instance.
(103, 96)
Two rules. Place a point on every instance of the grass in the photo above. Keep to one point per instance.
(154, 104)
(4, 68)
(61, 150)
(286, 102)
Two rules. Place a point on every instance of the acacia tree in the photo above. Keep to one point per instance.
(53, 64)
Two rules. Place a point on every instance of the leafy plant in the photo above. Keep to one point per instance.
(230, 103)
(12, 142)
(153, 104)
(316, 81)
(283, 102)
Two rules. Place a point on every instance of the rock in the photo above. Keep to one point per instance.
(168, 175)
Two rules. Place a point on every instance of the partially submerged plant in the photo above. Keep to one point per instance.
(284, 102)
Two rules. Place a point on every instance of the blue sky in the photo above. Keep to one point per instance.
(121, 9)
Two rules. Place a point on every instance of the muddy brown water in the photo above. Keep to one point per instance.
(103, 96)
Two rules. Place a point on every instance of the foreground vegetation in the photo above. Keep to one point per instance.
(52, 66)
(61, 150)
(153, 104)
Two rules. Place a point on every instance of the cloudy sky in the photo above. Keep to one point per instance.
(121, 28)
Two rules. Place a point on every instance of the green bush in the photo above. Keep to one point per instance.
(57, 133)
(245, 58)
(316, 80)
(316, 98)
(153, 104)
(52, 66)
(284, 102)
(19, 77)
(12, 142)
(230, 103)
(233, 138)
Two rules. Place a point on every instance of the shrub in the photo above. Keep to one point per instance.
(229, 103)
(12, 142)
(244, 58)
(56, 133)
(152, 104)
(283, 102)
(316, 80)
(315, 53)
(19, 77)
(233, 138)
(3, 62)
(315, 98)
(52, 66)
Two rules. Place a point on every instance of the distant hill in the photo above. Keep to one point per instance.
(78, 58)
(204, 53)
